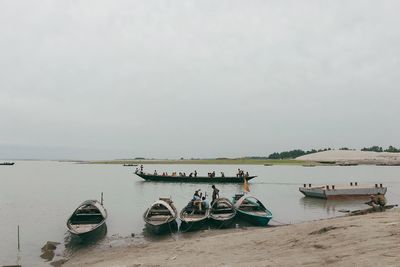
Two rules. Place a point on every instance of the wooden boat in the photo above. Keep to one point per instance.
(7, 163)
(161, 216)
(87, 218)
(194, 215)
(251, 209)
(222, 212)
(188, 179)
(371, 210)
(342, 191)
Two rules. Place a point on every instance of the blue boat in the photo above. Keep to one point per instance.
(251, 209)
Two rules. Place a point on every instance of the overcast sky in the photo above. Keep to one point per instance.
(96, 79)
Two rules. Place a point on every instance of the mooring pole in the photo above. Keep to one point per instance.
(19, 246)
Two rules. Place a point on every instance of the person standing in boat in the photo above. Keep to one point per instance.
(141, 168)
(195, 173)
(215, 194)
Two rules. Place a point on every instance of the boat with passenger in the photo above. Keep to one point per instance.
(161, 216)
(87, 218)
(251, 209)
(192, 179)
(194, 215)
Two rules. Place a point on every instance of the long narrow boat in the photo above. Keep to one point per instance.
(194, 215)
(222, 212)
(188, 179)
(251, 209)
(7, 163)
(87, 218)
(161, 216)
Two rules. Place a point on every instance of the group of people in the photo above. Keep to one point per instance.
(198, 198)
(239, 174)
(242, 174)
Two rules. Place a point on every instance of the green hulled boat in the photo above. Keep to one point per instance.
(251, 209)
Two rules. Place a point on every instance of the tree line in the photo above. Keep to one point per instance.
(294, 153)
(380, 149)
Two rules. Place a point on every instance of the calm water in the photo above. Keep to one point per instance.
(40, 195)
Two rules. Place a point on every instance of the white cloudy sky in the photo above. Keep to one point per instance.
(90, 79)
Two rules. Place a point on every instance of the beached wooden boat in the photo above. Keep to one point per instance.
(194, 215)
(251, 209)
(7, 163)
(222, 212)
(188, 179)
(87, 218)
(371, 210)
(161, 216)
(341, 191)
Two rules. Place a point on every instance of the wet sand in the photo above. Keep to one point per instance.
(366, 240)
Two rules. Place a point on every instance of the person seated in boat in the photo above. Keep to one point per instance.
(246, 175)
(191, 175)
(222, 174)
(155, 172)
(377, 201)
(196, 195)
(213, 174)
(238, 173)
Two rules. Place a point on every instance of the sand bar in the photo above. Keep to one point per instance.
(366, 240)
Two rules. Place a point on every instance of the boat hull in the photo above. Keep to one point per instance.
(193, 226)
(254, 219)
(187, 179)
(222, 223)
(348, 192)
(165, 228)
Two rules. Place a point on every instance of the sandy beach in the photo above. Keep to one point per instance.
(354, 156)
(366, 240)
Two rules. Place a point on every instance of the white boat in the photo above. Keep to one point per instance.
(88, 217)
(339, 191)
(161, 216)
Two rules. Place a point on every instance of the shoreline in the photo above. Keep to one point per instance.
(363, 240)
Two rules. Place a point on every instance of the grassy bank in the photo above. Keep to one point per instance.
(240, 161)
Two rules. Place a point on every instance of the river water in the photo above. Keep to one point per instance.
(40, 195)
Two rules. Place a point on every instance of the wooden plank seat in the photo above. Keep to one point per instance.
(160, 212)
(159, 218)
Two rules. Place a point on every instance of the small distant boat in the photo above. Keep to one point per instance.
(340, 191)
(222, 212)
(192, 179)
(87, 218)
(129, 165)
(194, 215)
(251, 209)
(161, 216)
(7, 163)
